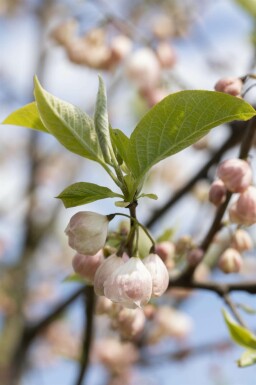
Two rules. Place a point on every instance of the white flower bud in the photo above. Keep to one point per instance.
(241, 241)
(130, 284)
(130, 322)
(104, 271)
(87, 265)
(230, 261)
(159, 274)
(243, 211)
(87, 232)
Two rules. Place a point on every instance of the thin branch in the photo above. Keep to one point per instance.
(233, 309)
(89, 302)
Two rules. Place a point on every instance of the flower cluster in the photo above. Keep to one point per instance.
(131, 282)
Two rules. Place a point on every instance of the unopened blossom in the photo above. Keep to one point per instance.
(143, 68)
(87, 232)
(217, 192)
(170, 322)
(158, 272)
(87, 265)
(230, 261)
(229, 85)
(236, 174)
(241, 240)
(130, 284)
(103, 306)
(65, 32)
(166, 55)
(243, 211)
(130, 322)
(109, 266)
(121, 46)
(115, 355)
(165, 250)
(195, 256)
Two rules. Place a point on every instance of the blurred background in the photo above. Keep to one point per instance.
(144, 50)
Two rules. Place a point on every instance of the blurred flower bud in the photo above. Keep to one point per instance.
(159, 274)
(103, 306)
(87, 232)
(153, 95)
(217, 192)
(170, 322)
(165, 250)
(163, 27)
(104, 271)
(236, 174)
(201, 190)
(230, 261)
(115, 355)
(143, 68)
(231, 86)
(130, 322)
(121, 46)
(77, 51)
(195, 256)
(166, 55)
(130, 284)
(149, 311)
(95, 37)
(86, 265)
(243, 211)
(241, 241)
(65, 32)
(184, 244)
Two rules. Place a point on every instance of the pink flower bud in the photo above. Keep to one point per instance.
(143, 68)
(130, 322)
(241, 241)
(104, 306)
(130, 284)
(217, 193)
(243, 211)
(236, 174)
(231, 86)
(195, 256)
(120, 47)
(166, 55)
(86, 265)
(87, 232)
(230, 261)
(165, 250)
(159, 274)
(104, 271)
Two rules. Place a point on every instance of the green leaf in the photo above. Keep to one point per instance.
(75, 278)
(238, 333)
(178, 121)
(248, 5)
(150, 196)
(102, 124)
(121, 143)
(82, 193)
(246, 308)
(73, 128)
(166, 235)
(247, 358)
(26, 116)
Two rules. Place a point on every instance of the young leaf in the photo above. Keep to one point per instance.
(75, 278)
(82, 193)
(249, 6)
(150, 196)
(246, 308)
(26, 116)
(247, 358)
(102, 124)
(238, 333)
(72, 127)
(121, 142)
(178, 121)
(166, 235)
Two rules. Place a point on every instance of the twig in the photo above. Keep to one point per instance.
(89, 302)
(233, 309)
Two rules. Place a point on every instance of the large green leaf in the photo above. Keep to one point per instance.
(73, 128)
(82, 193)
(247, 358)
(26, 116)
(239, 334)
(178, 121)
(102, 124)
(248, 5)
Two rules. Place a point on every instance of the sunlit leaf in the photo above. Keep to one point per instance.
(238, 333)
(178, 121)
(247, 358)
(26, 116)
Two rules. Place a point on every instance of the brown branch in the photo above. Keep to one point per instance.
(89, 302)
